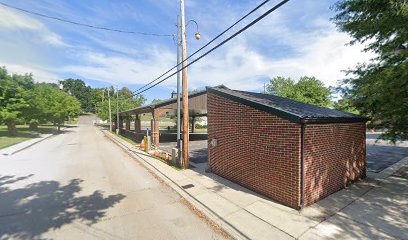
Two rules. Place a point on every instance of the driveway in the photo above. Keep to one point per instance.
(79, 185)
(382, 154)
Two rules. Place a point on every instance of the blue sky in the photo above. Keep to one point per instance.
(296, 40)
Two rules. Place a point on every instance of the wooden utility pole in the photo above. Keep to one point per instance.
(117, 109)
(185, 87)
(179, 142)
(110, 113)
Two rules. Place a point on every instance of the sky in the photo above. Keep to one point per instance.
(297, 40)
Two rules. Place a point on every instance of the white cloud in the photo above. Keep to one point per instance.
(315, 49)
(322, 53)
(39, 74)
(119, 69)
(237, 64)
(11, 20)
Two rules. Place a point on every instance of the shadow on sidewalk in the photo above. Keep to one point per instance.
(30, 211)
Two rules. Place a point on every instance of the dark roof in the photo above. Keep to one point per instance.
(291, 110)
(161, 103)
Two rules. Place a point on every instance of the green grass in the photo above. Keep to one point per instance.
(23, 134)
(127, 139)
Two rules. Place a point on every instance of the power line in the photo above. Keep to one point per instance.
(220, 44)
(84, 24)
(218, 36)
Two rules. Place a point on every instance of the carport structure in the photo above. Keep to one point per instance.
(158, 110)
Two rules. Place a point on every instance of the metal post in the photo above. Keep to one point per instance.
(185, 87)
(178, 91)
(117, 109)
(110, 112)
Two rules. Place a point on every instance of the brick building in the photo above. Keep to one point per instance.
(292, 152)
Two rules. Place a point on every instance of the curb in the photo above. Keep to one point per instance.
(196, 204)
(389, 171)
(25, 147)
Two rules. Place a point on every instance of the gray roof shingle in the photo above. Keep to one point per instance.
(286, 108)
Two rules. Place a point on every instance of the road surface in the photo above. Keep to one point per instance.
(79, 185)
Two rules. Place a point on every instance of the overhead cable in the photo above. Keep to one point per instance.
(220, 44)
(85, 24)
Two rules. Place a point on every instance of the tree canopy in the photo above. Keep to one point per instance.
(379, 89)
(307, 89)
(13, 98)
(85, 94)
(23, 101)
(51, 104)
(126, 101)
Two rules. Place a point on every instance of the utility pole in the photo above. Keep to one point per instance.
(117, 109)
(110, 112)
(180, 155)
(185, 87)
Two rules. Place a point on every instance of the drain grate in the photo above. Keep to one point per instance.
(187, 186)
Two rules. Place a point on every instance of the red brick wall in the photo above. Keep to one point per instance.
(334, 157)
(255, 149)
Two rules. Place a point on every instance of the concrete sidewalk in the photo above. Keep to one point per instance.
(23, 145)
(374, 208)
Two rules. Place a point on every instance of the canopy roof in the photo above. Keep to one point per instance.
(197, 106)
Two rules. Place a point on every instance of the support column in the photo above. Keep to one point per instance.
(138, 124)
(193, 124)
(120, 122)
(127, 123)
(155, 131)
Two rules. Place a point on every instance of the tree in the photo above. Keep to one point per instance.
(307, 89)
(379, 89)
(78, 89)
(156, 101)
(12, 99)
(126, 101)
(51, 104)
(346, 106)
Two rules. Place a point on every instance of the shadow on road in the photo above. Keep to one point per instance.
(30, 211)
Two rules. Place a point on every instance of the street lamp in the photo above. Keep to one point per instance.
(180, 36)
(197, 34)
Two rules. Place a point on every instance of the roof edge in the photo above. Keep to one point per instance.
(328, 120)
(282, 114)
(162, 103)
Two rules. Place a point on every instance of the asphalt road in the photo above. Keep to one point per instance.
(79, 185)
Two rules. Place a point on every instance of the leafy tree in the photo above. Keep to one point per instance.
(307, 89)
(12, 100)
(51, 104)
(345, 105)
(126, 101)
(78, 89)
(156, 100)
(379, 89)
